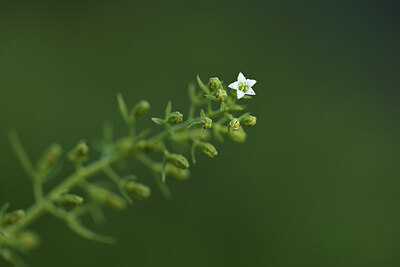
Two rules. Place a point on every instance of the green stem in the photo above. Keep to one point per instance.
(41, 206)
(184, 125)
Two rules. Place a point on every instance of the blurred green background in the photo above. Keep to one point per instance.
(317, 183)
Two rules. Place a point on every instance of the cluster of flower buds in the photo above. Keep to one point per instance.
(214, 121)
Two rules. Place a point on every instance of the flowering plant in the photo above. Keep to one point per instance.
(76, 196)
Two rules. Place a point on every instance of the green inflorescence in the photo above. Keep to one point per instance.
(77, 196)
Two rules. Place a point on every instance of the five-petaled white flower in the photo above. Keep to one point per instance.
(243, 86)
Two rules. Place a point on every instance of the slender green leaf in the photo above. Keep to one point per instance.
(203, 86)
(89, 234)
(211, 97)
(162, 186)
(158, 121)
(192, 93)
(193, 152)
(21, 154)
(168, 110)
(118, 182)
(123, 109)
(202, 114)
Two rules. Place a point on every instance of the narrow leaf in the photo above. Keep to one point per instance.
(117, 180)
(237, 108)
(193, 151)
(202, 85)
(202, 114)
(168, 110)
(89, 234)
(21, 154)
(192, 93)
(162, 186)
(122, 108)
(211, 97)
(158, 121)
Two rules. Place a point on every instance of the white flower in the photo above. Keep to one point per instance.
(243, 86)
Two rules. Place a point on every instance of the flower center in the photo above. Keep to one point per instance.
(243, 86)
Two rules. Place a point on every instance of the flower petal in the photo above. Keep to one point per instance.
(250, 91)
(241, 77)
(251, 82)
(240, 94)
(234, 85)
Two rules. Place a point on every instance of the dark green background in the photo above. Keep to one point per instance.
(317, 183)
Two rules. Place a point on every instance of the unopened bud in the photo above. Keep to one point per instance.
(175, 118)
(150, 146)
(238, 136)
(50, 157)
(71, 200)
(13, 217)
(140, 110)
(176, 173)
(208, 149)
(106, 197)
(79, 152)
(137, 190)
(234, 124)
(221, 95)
(206, 123)
(125, 145)
(248, 120)
(28, 240)
(178, 160)
(214, 84)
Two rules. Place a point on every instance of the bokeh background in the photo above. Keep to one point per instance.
(317, 183)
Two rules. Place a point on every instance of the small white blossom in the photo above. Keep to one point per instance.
(243, 86)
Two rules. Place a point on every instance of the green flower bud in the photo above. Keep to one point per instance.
(49, 158)
(175, 118)
(178, 160)
(248, 120)
(221, 95)
(125, 145)
(71, 200)
(208, 149)
(234, 124)
(13, 217)
(150, 146)
(106, 197)
(140, 110)
(206, 123)
(176, 173)
(214, 84)
(137, 190)
(79, 152)
(238, 136)
(28, 240)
